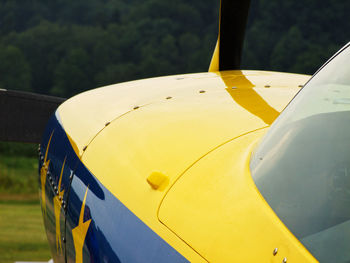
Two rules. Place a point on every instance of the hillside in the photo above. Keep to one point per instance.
(63, 47)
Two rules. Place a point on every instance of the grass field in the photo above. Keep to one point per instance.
(18, 175)
(22, 234)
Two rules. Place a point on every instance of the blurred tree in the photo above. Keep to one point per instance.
(64, 47)
(295, 36)
(286, 51)
(14, 69)
(72, 73)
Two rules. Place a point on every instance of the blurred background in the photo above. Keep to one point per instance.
(63, 47)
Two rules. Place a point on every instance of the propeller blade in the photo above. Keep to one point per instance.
(23, 115)
(232, 25)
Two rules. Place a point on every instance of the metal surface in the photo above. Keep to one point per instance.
(168, 137)
(216, 208)
(85, 115)
(23, 115)
(94, 226)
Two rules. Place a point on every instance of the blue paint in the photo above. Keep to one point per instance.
(115, 234)
(58, 151)
(56, 154)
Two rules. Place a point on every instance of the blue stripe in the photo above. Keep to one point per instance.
(115, 234)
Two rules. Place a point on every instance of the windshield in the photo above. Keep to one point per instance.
(302, 165)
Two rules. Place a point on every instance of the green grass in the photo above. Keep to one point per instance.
(22, 234)
(18, 175)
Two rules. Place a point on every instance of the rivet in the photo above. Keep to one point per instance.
(202, 91)
(85, 147)
(136, 107)
(64, 240)
(267, 86)
(234, 88)
(42, 158)
(168, 98)
(107, 123)
(275, 251)
(55, 188)
(60, 198)
(71, 177)
(284, 260)
(62, 202)
(64, 207)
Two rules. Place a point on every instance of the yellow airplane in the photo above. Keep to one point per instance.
(196, 167)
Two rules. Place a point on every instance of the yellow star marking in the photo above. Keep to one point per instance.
(79, 233)
(57, 200)
(43, 174)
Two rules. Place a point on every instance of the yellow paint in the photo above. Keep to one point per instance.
(242, 91)
(43, 175)
(157, 180)
(168, 135)
(57, 207)
(79, 233)
(109, 103)
(216, 208)
(214, 63)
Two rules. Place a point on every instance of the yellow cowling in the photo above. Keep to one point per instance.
(125, 133)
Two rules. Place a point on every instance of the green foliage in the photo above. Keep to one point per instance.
(295, 36)
(71, 73)
(13, 149)
(64, 47)
(18, 175)
(18, 168)
(14, 69)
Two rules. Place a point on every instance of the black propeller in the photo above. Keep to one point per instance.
(233, 20)
(23, 115)
(232, 25)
